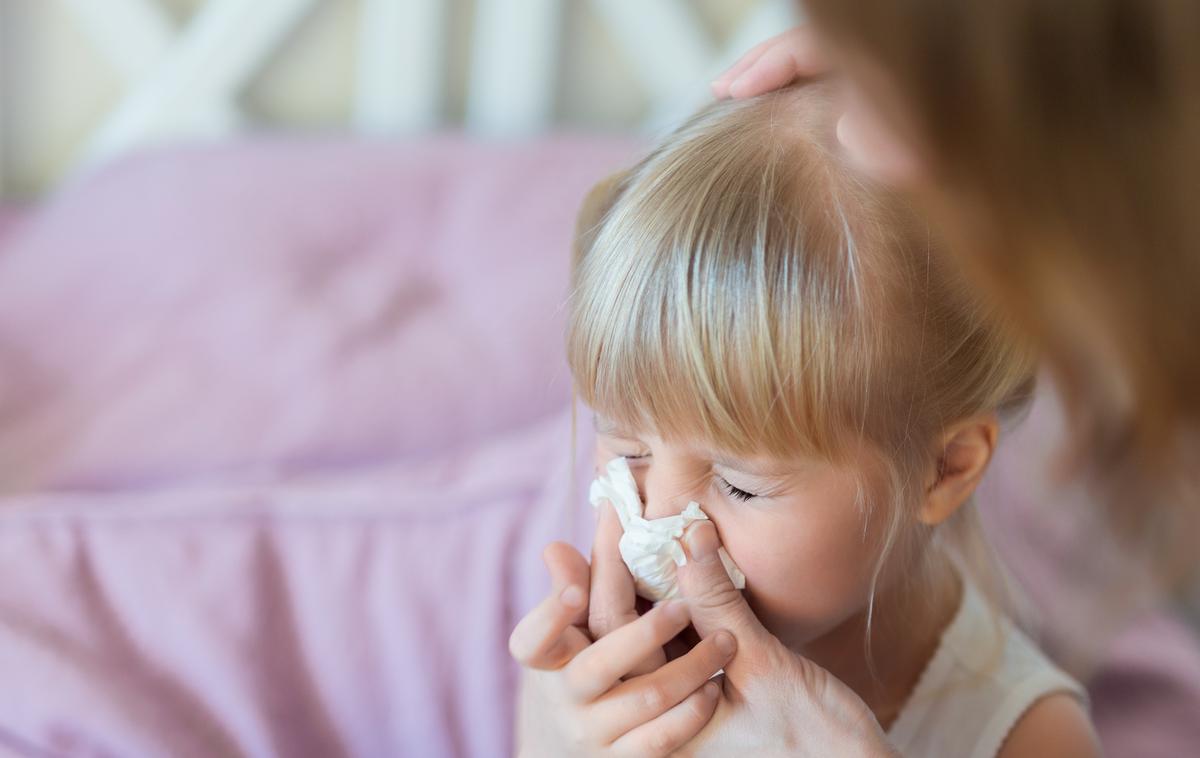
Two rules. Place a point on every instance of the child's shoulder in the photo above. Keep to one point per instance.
(1046, 708)
(1057, 724)
(989, 691)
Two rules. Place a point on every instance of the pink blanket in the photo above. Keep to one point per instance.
(286, 428)
(348, 615)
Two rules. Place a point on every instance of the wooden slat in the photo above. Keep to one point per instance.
(135, 36)
(188, 93)
(663, 39)
(514, 65)
(5, 96)
(401, 65)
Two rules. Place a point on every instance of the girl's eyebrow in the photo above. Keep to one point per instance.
(771, 469)
(603, 425)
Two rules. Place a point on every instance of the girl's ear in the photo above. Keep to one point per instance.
(597, 203)
(965, 451)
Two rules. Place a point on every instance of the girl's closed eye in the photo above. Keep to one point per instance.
(735, 492)
(631, 451)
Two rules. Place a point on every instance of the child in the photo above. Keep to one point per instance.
(760, 332)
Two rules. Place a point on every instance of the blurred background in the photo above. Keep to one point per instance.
(84, 81)
(281, 289)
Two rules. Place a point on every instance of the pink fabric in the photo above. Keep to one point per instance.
(302, 410)
(352, 615)
(286, 429)
(10, 218)
(272, 308)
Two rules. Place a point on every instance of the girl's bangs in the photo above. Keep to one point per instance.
(703, 335)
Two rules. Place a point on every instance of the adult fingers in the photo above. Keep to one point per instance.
(636, 701)
(670, 731)
(712, 599)
(720, 85)
(567, 567)
(546, 638)
(613, 598)
(776, 63)
(613, 602)
(595, 670)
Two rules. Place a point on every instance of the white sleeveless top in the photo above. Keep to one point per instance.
(974, 690)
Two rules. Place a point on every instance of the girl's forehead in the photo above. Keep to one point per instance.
(605, 425)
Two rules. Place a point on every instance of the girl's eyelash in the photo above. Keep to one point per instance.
(737, 492)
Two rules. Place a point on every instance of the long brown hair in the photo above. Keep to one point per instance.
(1062, 143)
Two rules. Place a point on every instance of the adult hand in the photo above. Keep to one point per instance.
(616, 695)
(773, 64)
(773, 701)
(796, 54)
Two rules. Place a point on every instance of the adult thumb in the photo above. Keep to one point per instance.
(715, 603)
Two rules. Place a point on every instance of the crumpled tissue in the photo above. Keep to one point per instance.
(651, 547)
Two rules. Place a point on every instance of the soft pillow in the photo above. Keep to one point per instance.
(259, 309)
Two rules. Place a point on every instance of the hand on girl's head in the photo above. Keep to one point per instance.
(796, 54)
(772, 64)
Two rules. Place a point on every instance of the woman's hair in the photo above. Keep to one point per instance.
(743, 287)
(1062, 142)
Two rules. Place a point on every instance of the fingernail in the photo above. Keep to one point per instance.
(733, 86)
(702, 542)
(711, 690)
(676, 611)
(725, 643)
(572, 597)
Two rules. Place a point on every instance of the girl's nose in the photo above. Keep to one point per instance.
(663, 493)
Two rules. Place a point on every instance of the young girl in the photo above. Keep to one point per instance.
(761, 333)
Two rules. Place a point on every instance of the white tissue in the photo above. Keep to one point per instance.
(650, 547)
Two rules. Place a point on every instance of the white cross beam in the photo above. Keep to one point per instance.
(401, 65)
(514, 65)
(183, 85)
(135, 36)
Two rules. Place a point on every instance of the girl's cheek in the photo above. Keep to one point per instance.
(604, 454)
(753, 552)
(802, 573)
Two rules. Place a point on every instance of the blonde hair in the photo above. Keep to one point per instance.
(741, 286)
(1062, 142)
